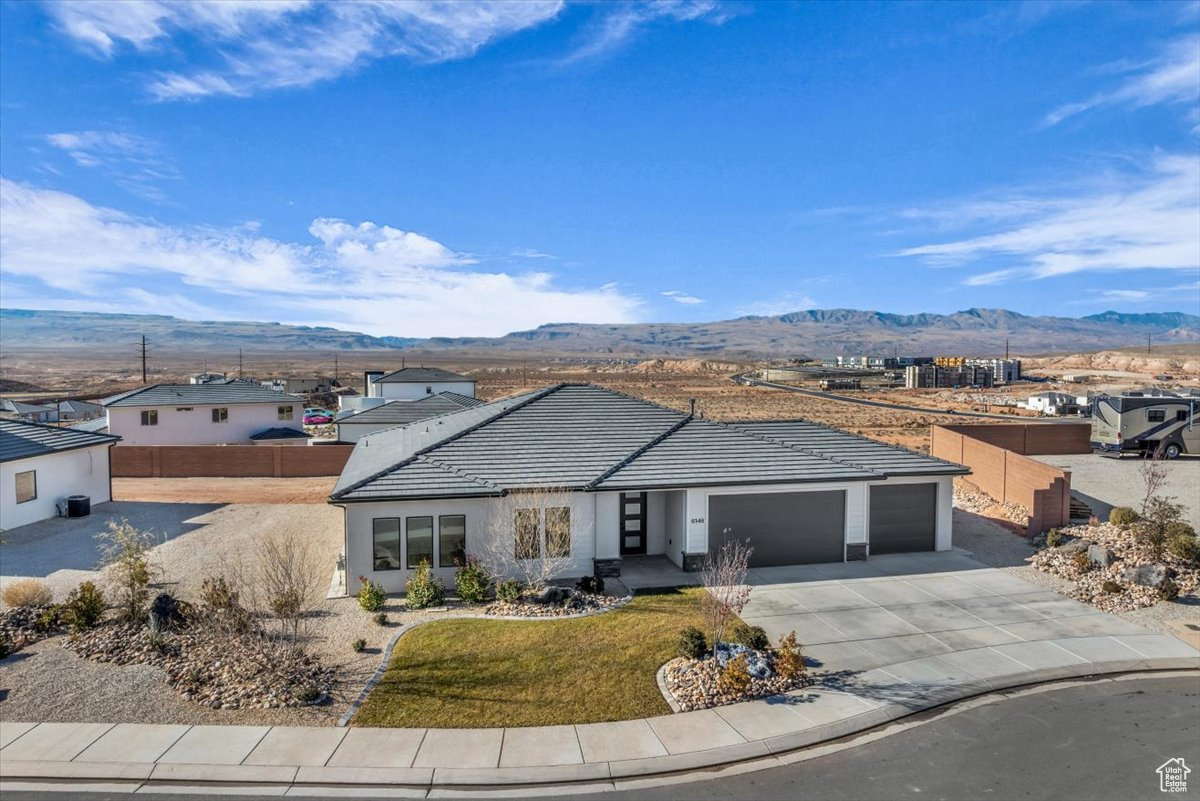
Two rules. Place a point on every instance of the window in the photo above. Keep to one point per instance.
(558, 532)
(285, 413)
(420, 540)
(1181, 415)
(428, 390)
(183, 408)
(526, 526)
(386, 542)
(1156, 415)
(221, 415)
(452, 540)
(150, 417)
(26, 486)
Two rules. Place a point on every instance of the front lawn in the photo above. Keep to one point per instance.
(473, 673)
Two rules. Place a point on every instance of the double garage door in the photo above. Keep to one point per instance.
(793, 528)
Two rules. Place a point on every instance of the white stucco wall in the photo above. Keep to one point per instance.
(477, 511)
(675, 524)
(83, 471)
(196, 427)
(409, 391)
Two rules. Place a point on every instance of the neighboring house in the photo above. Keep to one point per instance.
(206, 378)
(399, 413)
(1053, 403)
(30, 412)
(97, 426)
(69, 410)
(414, 383)
(297, 385)
(41, 465)
(634, 478)
(217, 413)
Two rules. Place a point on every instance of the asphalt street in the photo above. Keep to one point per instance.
(1094, 741)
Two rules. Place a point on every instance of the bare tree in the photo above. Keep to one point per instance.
(724, 580)
(125, 553)
(288, 578)
(1154, 478)
(527, 536)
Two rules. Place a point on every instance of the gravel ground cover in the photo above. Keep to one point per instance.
(1103, 483)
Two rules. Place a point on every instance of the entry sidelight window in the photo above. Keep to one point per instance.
(386, 536)
(527, 528)
(558, 532)
(452, 540)
(419, 539)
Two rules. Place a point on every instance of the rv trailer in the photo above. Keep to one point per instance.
(1145, 424)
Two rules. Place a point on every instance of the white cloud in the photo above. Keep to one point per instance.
(365, 276)
(1173, 77)
(783, 303)
(136, 164)
(623, 20)
(1147, 220)
(682, 297)
(1125, 294)
(272, 44)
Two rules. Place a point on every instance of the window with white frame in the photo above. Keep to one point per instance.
(150, 417)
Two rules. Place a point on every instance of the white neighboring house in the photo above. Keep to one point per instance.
(405, 384)
(41, 465)
(632, 479)
(215, 413)
(399, 413)
(1052, 403)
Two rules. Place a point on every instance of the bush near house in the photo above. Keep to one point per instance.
(692, 644)
(423, 589)
(1122, 516)
(471, 582)
(371, 596)
(508, 591)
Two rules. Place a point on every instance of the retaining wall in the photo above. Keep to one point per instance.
(228, 461)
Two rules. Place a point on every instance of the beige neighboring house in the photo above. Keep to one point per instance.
(216, 413)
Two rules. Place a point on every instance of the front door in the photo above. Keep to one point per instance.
(633, 523)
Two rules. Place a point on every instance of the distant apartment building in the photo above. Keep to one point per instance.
(931, 376)
(1004, 371)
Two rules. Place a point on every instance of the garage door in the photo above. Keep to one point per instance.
(784, 528)
(903, 518)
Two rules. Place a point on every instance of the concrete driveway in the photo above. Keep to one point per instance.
(858, 616)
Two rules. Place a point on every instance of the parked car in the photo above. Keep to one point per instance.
(318, 417)
(315, 410)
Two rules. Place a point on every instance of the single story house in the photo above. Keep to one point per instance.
(30, 412)
(296, 386)
(626, 478)
(1054, 403)
(215, 413)
(354, 427)
(69, 410)
(41, 465)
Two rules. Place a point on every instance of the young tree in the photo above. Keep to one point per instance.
(527, 536)
(125, 554)
(724, 580)
(288, 582)
(1154, 477)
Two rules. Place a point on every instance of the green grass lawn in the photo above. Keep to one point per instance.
(473, 673)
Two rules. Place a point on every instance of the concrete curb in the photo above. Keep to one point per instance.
(756, 754)
(386, 657)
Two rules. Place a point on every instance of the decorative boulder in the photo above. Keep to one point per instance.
(1146, 575)
(1099, 555)
(1074, 546)
(554, 596)
(165, 613)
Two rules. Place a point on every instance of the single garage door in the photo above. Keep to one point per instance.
(784, 528)
(903, 518)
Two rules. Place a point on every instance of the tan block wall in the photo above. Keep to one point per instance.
(228, 461)
(1031, 439)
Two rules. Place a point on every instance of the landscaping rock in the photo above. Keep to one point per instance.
(1101, 556)
(1152, 575)
(696, 683)
(556, 596)
(1074, 546)
(577, 603)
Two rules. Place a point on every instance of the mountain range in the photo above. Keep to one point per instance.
(814, 332)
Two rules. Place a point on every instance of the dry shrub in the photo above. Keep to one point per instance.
(27, 592)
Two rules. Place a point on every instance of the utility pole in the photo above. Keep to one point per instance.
(239, 362)
(1147, 344)
(143, 358)
(335, 368)
(1006, 349)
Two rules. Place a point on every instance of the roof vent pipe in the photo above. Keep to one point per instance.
(693, 402)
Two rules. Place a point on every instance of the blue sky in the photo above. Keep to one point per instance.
(473, 168)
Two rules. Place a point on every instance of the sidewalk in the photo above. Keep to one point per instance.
(306, 760)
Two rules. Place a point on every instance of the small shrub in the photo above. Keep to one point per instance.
(84, 607)
(1184, 546)
(593, 585)
(1081, 562)
(508, 591)
(126, 555)
(5, 648)
(750, 636)
(308, 694)
(48, 619)
(1168, 590)
(1054, 538)
(789, 662)
(27, 592)
(381, 619)
(157, 641)
(423, 589)
(1093, 521)
(471, 582)
(1111, 587)
(1122, 516)
(735, 678)
(371, 596)
(217, 596)
(692, 644)
(359, 645)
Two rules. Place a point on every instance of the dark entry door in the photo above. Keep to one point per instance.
(633, 523)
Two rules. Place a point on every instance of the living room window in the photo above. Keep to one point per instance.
(558, 532)
(26, 486)
(386, 543)
(419, 541)
(220, 415)
(452, 540)
(527, 530)
(150, 417)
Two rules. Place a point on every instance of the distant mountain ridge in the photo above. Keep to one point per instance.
(812, 332)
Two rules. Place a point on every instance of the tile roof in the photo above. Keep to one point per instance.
(21, 440)
(401, 412)
(585, 437)
(212, 394)
(80, 407)
(280, 432)
(420, 375)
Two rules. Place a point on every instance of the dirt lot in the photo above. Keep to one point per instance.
(223, 490)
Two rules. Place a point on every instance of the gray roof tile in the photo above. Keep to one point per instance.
(420, 375)
(213, 394)
(20, 440)
(401, 412)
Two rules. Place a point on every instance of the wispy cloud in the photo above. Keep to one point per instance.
(137, 164)
(682, 297)
(1148, 220)
(367, 276)
(273, 44)
(782, 303)
(1173, 77)
(620, 21)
